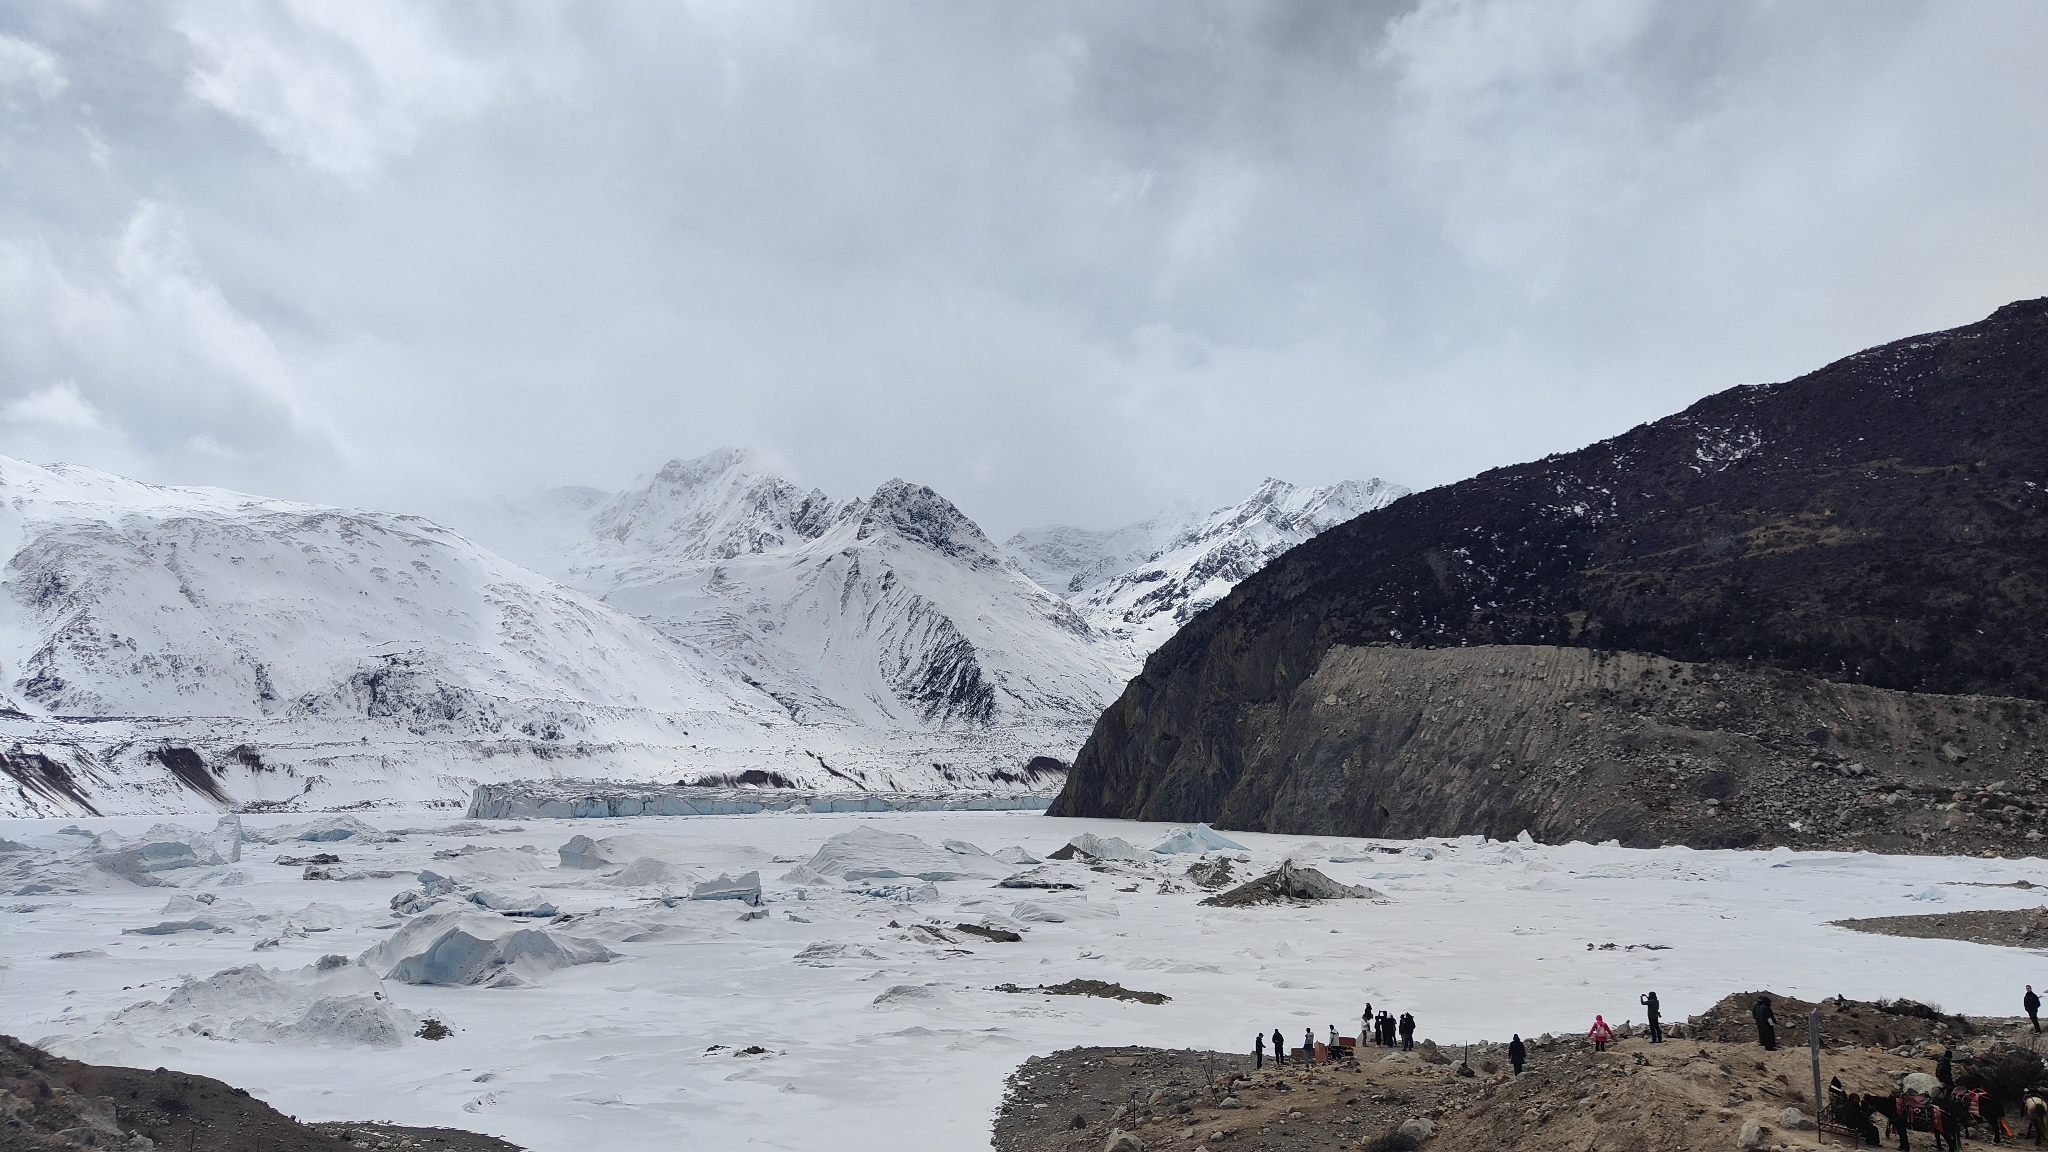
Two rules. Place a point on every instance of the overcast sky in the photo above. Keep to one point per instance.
(1063, 262)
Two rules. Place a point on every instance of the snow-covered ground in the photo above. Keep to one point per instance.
(881, 1037)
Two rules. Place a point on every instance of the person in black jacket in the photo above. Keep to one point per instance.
(1656, 1011)
(2032, 1004)
(1407, 1032)
(1279, 1047)
(1945, 1069)
(1258, 1050)
(1518, 1053)
(1766, 1023)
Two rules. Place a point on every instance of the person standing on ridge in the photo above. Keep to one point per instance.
(1945, 1069)
(1766, 1023)
(1601, 1032)
(1407, 1032)
(1279, 1048)
(2032, 1004)
(1518, 1053)
(1308, 1045)
(1365, 1027)
(1258, 1050)
(1656, 1011)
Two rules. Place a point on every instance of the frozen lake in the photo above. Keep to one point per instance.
(1479, 940)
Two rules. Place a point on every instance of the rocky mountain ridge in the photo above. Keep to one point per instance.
(1877, 522)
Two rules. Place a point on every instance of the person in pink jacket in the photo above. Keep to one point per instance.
(1601, 1033)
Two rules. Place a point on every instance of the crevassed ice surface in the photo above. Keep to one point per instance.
(881, 1037)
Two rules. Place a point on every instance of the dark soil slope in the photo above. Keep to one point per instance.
(50, 1103)
(1879, 522)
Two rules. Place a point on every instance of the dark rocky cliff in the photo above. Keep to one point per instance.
(1879, 522)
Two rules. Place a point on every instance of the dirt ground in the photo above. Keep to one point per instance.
(2022, 928)
(1688, 1093)
(48, 1102)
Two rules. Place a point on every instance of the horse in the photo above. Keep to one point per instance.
(2036, 1111)
(1909, 1110)
(1980, 1106)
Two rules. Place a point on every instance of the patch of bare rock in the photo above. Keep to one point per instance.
(1709, 1087)
(2019, 928)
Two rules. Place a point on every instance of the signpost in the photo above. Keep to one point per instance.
(1820, 1132)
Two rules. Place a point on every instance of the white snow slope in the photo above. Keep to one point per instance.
(1141, 583)
(166, 649)
(893, 611)
(882, 1037)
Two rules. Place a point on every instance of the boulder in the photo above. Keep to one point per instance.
(1289, 883)
(1417, 1129)
(1792, 1119)
(1751, 1135)
(1041, 877)
(1122, 1141)
(1921, 1082)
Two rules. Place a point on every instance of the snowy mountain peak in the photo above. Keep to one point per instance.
(714, 507)
(917, 513)
(1142, 582)
(1292, 508)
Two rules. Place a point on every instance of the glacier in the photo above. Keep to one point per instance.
(707, 1029)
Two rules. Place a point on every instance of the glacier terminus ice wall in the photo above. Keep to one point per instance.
(569, 799)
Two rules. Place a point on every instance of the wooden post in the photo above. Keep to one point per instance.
(1820, 1134)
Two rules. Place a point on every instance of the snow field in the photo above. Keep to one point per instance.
(883, 1037)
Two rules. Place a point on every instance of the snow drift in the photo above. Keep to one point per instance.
(871, 854)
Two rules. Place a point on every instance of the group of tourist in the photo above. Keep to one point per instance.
(1387, 1030)
(1382, 1029)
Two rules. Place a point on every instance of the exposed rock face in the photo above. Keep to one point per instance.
(1881, 521)
(1569, 743)
(1291, 883)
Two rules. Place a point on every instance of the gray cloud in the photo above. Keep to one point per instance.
(1062, 262)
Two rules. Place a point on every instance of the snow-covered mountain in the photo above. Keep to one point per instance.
(162, 648)
(1140, 583)
(165, 648)
(890, 611)
(127, 599)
